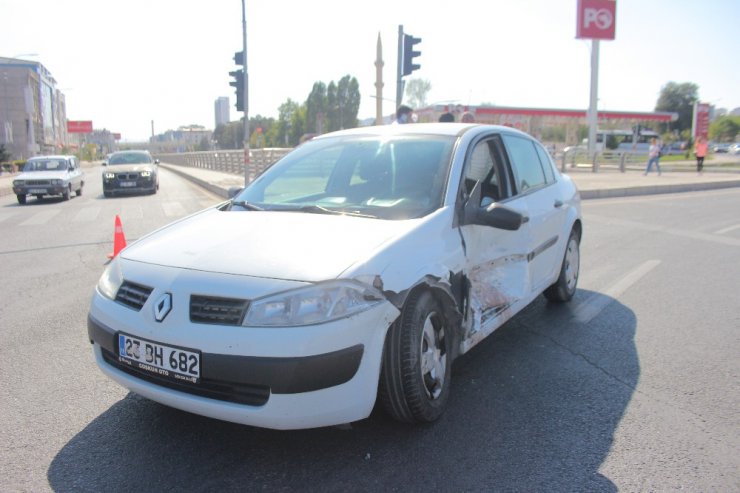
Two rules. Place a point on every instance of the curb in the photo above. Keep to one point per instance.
(656, 189)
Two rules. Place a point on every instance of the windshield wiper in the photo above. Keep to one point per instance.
(246, 205)
(318, 209)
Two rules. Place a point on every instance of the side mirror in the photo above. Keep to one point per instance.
(500, 217)
(156, 161)
(234, 191)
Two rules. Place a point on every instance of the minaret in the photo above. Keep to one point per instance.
(379, 83)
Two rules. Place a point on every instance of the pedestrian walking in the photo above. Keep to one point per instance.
(653, 157)
(700, 151)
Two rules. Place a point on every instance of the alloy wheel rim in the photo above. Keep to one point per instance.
(433, 357)
(572, 264)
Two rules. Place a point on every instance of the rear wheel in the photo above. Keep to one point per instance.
(21, 199)
(415, 375)
(565, 287)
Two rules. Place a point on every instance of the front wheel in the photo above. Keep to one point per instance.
(565, 287)
(417, 361)
(21, 199)
(67, 192)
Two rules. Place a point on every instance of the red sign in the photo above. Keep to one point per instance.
(116, 136)
(701, 120)
(80, 127)
(597, 19)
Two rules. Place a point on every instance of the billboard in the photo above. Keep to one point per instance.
(597, 19)
(79, 127)
(701, 120)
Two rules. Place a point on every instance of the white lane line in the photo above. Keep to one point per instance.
(41, 217)
(6, 215)
(588, 310)
(86, 215)
(727, 230)
(173, 209)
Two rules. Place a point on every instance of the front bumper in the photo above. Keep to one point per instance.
(40, 189)
(282, 378)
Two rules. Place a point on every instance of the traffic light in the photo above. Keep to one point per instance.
(409, 54)
(238, 83)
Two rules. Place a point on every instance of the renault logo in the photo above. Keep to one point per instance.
(162, 307)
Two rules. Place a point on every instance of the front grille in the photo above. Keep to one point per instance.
(251, 395)
(38, 182)
(221, 311)
(133, 295)
(127, 176)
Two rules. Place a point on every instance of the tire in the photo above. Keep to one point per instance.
(565, 287)
(107, 194)
(67, 192)
(416, 368)
(21, 199)
(78, 192)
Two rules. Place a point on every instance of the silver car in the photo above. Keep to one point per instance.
(49, 175)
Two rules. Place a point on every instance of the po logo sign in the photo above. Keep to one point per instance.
(596, 19)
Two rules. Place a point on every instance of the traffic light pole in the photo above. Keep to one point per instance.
(245, 94)
(399, 73)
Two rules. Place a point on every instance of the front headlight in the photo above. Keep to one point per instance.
(17, 183)
(312, 305)
(111, 280)
(146, 174)
(108, 175)
(56, 182)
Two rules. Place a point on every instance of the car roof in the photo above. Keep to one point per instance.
(133, 151)
(55, 156)
(442, 129)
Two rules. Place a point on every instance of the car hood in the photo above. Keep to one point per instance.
(277, 245)
(43, 175)
(127, 168)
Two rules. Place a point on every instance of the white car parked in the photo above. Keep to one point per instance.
(360, 266)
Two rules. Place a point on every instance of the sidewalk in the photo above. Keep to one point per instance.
(608, 182)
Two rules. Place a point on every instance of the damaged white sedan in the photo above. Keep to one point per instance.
(354, 270)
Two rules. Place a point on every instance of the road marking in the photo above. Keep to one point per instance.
(661, 229)
(6, 215)
(589, 309)
(41, 217)
(173, 209)
(727, 230)
(86, 215)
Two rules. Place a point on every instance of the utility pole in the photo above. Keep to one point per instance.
(399, 72)
(593, 119)
(246, 96)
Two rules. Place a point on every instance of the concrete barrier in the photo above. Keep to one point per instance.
(227, 161)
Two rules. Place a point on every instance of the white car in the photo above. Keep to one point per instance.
(49, 176)
(358, 267)
(734, 149)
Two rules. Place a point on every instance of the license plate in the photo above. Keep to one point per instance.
(37, 190)
(128, 183)
(175, 363)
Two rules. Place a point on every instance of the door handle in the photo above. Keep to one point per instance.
(558, 204)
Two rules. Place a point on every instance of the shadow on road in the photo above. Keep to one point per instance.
(533, 408)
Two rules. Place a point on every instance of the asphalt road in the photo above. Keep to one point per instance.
(633, 386)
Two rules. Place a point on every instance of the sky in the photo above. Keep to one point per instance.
(127, 64)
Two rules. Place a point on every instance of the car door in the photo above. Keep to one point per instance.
(535, 183)
(497, 268)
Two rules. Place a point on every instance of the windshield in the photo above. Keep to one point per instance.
(400, 177)
(130, 158)
(46, 165)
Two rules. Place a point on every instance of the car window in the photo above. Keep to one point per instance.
(547, 165)
(130, 158)
(524, 162)
(481, 169)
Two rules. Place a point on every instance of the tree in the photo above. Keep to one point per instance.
(679, 98)
(725, 128)
(416, 92)
(5, 155)
(316, 109)
(291, 124)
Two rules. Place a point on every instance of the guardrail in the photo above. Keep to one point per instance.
(611, 159)
(227, 161)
